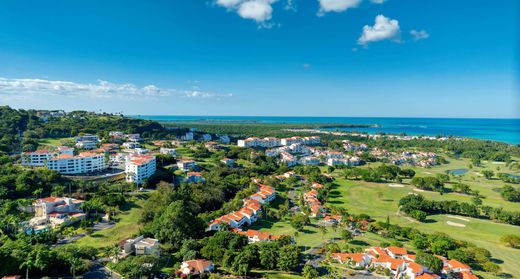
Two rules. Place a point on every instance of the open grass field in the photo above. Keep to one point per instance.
(379, 200)
(54, 141)
(127, 225)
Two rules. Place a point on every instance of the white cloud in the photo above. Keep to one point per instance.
(419, 35)
(337, 5)
(229, 3)
(383, 29)
(21, 88)
(378, 1)
(258, 10)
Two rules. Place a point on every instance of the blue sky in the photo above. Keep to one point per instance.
(263, 57)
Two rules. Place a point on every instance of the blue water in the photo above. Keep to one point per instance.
(458, 171)
(504, 130)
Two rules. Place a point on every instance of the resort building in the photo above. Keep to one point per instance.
(139, 167)
(85, 162)
(310, 161)
(248, 214)
(86, 144)
(131, 145)
(37, 158)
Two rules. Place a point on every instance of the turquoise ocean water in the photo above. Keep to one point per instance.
(504, 130)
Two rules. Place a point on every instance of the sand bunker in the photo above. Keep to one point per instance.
(498, 163)
(395, 185)
(455, 224)
(418, 190)
(458, 217)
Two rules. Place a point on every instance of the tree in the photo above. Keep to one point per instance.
(309, 272)
(488, 174)
(323, 231)
(433, 263)
(289, 257)
(28, 263)
(511, 240)
(419, 215)
(75, 263)
(177, 223)
(346, 235)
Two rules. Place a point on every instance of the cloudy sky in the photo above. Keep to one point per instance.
(430, 58)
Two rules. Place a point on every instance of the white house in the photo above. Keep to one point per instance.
(131, 145)
(139, 246)
(310, 161)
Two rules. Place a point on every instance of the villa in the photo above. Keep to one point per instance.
(139, 246)
(55, 211)
(168, 151)
(196, 267)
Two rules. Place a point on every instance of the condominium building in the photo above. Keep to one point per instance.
(140, 167)
(85, 162)
(37, 158)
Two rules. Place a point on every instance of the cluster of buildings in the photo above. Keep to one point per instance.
(350, 146)
(53, 212)
(271, 142)
(311, 199)
(414, 158)
(189, 136)
(401, 263)
(249, 213)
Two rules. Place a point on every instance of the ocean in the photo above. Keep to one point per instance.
(504, 130)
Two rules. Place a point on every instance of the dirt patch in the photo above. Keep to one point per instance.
(455, 224)
(395, 185)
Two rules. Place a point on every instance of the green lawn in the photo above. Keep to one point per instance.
(53, 141)
(127, 226)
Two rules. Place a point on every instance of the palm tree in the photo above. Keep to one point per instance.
(74, 264)
(27, 264)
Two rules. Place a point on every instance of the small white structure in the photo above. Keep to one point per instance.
(168, 151)
(186, 165)
(139, 246)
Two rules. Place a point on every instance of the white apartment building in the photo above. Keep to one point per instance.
(87, 137)
(310, 161)
(86, 144)
(131, 145)
(257, 142)
(85, 162)
(37, 158)
(139, 167)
